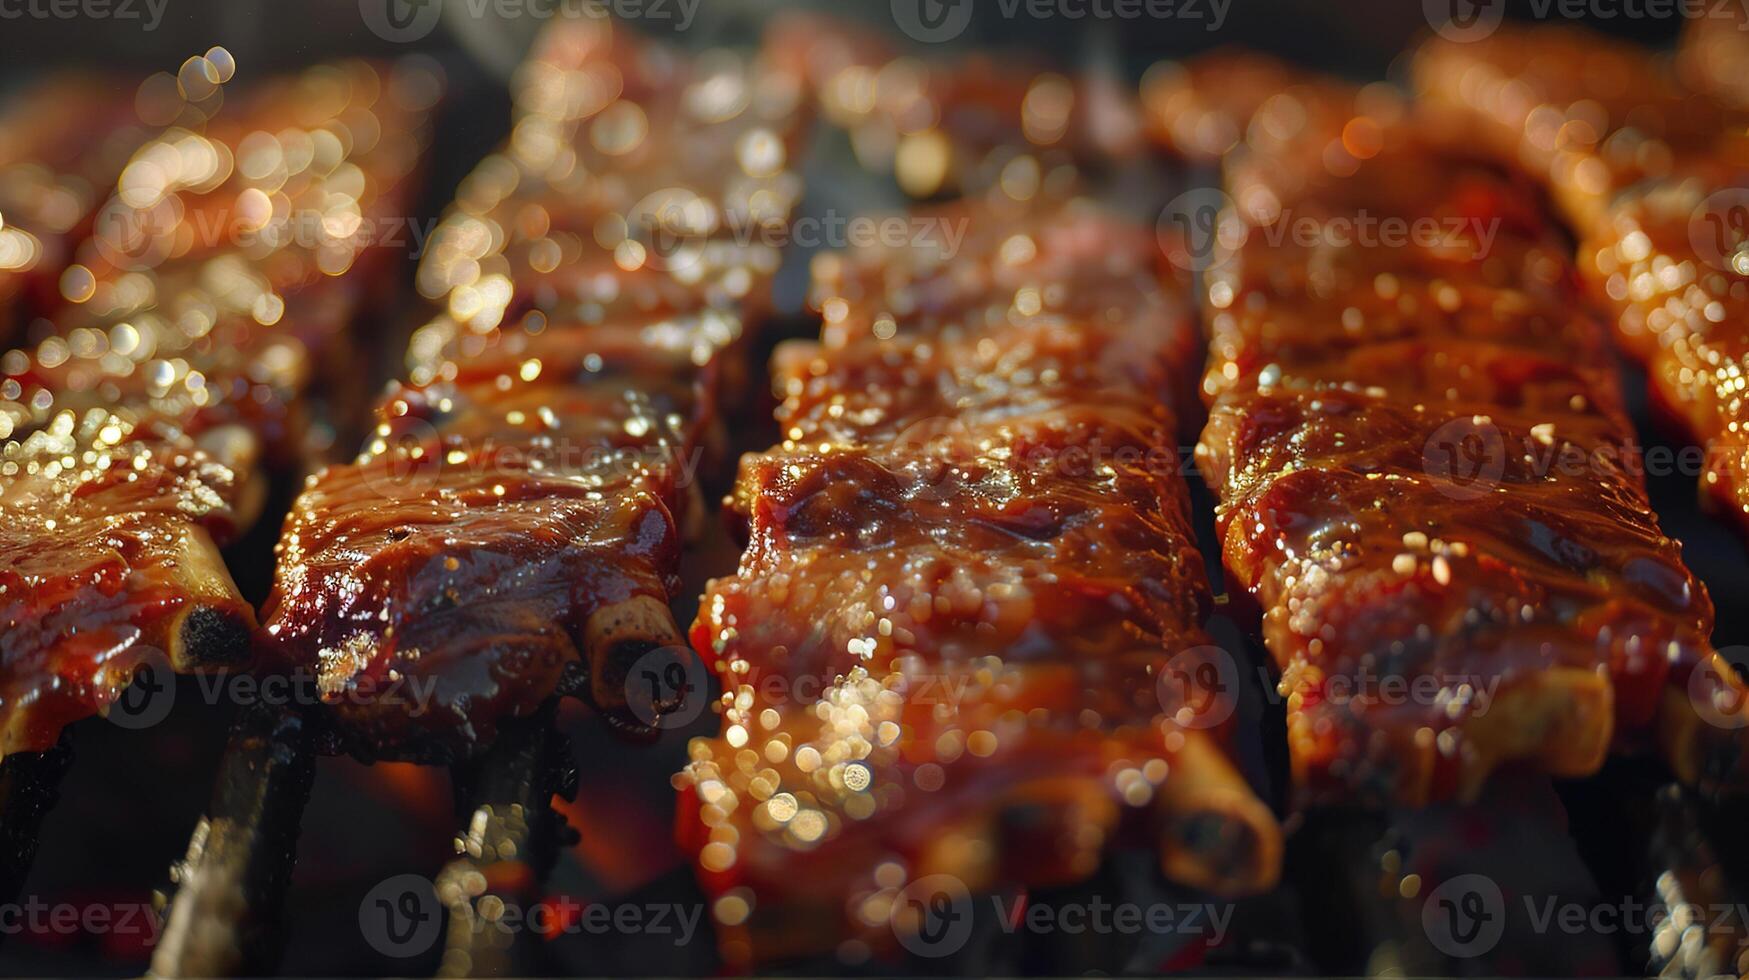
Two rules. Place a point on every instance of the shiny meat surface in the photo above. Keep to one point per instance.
(1429, 487)
(1657, 195)
(514, 528)
(947, 648)
(135, 447)
(502, 517)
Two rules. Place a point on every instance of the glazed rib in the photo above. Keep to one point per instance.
(136, 447)
(517, 518)
(969, 564)
(1651, 178)
(1427, 479)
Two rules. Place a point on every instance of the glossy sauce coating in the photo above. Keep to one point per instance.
(520, 510)
(136, 445)
(968, 565)
(1427, 481)
(1655, 191)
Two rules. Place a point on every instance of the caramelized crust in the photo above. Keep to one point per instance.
(514, 528)
(1652, 177)
(1427, 480)
(135, 446)
(460, 560)
(968, 567)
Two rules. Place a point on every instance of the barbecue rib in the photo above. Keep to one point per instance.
(134, 447)
(970, 564)
(1427, 481)
(519, 511)
(1652, 177)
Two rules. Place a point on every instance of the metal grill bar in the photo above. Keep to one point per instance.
(1705, 934)
(230, 889)
(29, 786)
(506, 847)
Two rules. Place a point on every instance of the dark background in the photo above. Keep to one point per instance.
(132, 796)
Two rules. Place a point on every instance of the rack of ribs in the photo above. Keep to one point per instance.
(1427, 480)
(948, 648)
(136, 446)
(513, 528)
(1652, 179)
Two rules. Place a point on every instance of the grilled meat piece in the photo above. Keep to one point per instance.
(135, 447)
(1427, 480)
(517, 518)
(950, 646)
